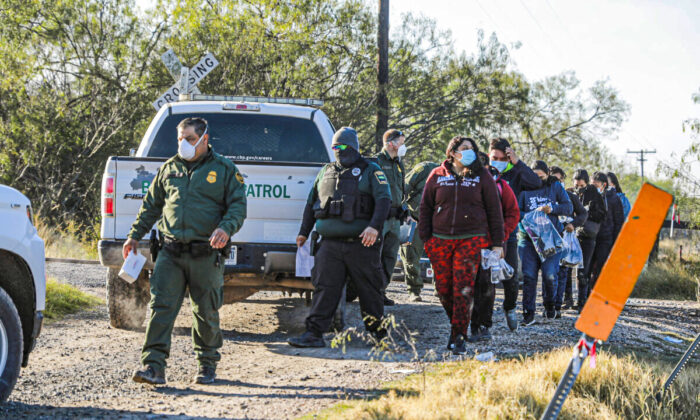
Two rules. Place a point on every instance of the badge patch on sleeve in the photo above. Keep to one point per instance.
(239, 178)
(211, 177)
(381, 178)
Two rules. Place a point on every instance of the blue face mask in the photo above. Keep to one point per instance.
(499, 165)
(468, 156)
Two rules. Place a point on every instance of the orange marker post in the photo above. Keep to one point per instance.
(626, 261)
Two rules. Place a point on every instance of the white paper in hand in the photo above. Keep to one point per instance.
(132, 267)
(305, 261)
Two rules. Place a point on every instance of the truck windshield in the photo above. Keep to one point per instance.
(250, 137)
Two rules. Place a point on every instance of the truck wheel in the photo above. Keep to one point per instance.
(127, 302)
(11, 345)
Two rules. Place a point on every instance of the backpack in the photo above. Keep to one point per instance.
(626, 206)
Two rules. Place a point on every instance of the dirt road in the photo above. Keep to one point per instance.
(82, 368)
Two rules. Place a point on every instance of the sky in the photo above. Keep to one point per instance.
(648, 49)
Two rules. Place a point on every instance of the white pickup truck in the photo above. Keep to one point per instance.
(278, 144)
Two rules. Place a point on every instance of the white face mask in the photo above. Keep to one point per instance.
(401, 152)
(188, 151)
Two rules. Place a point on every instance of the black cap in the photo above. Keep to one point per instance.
(542, 166)
(348, 136)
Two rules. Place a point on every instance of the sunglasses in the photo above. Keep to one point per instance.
(340, 147)
(396, 135)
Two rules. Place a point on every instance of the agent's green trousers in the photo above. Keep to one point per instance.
(410, 257)
(390, 248)
(171, 276)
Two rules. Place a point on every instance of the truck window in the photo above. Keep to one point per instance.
(250, 137)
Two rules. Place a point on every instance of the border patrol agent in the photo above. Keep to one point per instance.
(389, 160)
(348, 205)
(412, 252)
(198, 198)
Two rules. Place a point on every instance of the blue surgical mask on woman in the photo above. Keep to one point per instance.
(499, 165)
(468, 157)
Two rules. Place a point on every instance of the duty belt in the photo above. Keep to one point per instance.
(195, 248)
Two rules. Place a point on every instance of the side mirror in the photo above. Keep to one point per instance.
(132, 152)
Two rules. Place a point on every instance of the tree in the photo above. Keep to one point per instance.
(563, 124)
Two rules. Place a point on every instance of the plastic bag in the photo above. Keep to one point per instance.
(571, 254)
(500, 270)
(544, 235)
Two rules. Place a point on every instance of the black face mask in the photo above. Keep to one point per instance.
(347, 157)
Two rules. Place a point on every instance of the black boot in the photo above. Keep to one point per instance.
(205, 375)
(460, 345)
(308, 339)
(149, 375)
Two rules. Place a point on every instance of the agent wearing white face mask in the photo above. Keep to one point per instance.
(390, 160)
(198, 199)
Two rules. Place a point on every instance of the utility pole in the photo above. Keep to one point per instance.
(641, 159)
(382, 72)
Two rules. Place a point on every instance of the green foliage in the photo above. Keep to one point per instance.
(78, 78)
(64, 299)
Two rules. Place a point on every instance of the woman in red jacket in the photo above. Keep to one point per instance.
(460, 213)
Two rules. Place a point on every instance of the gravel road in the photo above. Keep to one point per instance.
(82, 367)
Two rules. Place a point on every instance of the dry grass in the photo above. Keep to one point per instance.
(69, 242)
(619, 387)
(668, 277)
(63, 299)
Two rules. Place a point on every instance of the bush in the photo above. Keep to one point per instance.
(63, 299)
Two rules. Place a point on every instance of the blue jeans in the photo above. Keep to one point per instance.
(531, 266)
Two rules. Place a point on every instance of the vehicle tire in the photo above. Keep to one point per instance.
(11, 345)
(127, 302)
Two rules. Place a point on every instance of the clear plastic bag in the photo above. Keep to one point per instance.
(571, 254)
(500, 270)
(544, 235)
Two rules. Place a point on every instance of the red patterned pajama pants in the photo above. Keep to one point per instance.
(455, 263)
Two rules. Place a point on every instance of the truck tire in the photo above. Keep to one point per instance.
(11, 345)
(127, 302)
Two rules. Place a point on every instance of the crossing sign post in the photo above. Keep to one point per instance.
(186, 79)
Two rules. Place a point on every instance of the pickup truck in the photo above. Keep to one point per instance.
(22, 286)
(278, 144)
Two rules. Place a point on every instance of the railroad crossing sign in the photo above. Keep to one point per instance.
(186, 79)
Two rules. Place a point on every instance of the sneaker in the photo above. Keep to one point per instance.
(548, 314)
(388, 302)
(451, 342)
(512, 320)
(557, 314)
(568, 304)
(415, 297)
(149, 375)
(528, 319)
(379, 334)
(306, 340)
(482, 334)
(460, 346)
(205, 375)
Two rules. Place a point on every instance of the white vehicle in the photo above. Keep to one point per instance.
(278, 144)
(22, 286)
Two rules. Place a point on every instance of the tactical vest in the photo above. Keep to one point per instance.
(339, 195)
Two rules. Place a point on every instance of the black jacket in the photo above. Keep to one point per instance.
(614, 219)
(580, 212)
(520, 177)
(593, 202)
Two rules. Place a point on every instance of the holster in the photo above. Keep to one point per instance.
(155, 243)
(314, 244)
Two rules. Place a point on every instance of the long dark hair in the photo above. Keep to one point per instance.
(613, 178)
(454, 144)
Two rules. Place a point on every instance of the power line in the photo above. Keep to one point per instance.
(546, 34)
(641, 157)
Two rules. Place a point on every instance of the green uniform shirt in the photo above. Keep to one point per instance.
(372, 181)
(394, 170)
(415, 183)
(189, 204)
